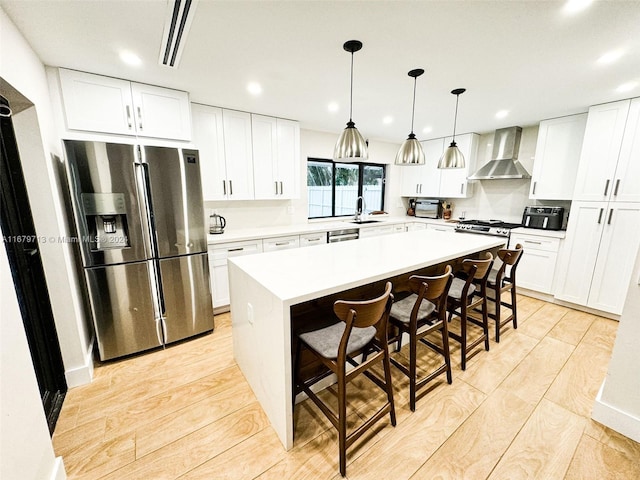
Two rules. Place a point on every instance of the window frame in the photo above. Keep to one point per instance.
(361, 167)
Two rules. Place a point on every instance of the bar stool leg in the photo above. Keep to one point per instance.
(342, 422)
(498, 297)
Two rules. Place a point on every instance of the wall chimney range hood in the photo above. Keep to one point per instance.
(504, 162)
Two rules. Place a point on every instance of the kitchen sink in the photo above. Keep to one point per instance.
(364, 221)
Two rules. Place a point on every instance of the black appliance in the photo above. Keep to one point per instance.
(497, 228)
(543, 218)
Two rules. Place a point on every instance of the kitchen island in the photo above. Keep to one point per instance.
(265, 287)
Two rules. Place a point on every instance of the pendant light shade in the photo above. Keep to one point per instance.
(411, 152)
(452, 156)
(351, 146)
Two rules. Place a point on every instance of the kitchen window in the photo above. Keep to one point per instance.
(334, 187)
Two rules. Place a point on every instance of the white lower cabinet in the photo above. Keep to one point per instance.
(280, 243)
(441, 228)
(308, 239)
(218, 255)
(413, 226)
(537, 266)
(379, 230)
(597, 258)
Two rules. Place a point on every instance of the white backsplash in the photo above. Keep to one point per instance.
(492, 199)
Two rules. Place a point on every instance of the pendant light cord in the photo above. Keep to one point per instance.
(455, 119)
(351, 92)
(413, 107)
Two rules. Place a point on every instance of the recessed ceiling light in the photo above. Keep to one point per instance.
(627, 87)
(427, 130)
(130, 58)
(333, 107)
(610, 57)
(254, 88)
(502, 113)
(575, 6)
(387, 120)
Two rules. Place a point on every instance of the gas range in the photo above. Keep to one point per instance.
(497, 228)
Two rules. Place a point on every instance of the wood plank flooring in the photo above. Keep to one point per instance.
(520, 410)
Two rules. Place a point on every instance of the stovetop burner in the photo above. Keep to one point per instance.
(497, 228)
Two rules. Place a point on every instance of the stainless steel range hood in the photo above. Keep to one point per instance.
(504, 160)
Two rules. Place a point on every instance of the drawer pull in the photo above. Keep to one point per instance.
(531, 241)
(313, 239)
(279, 244)
(239, 249)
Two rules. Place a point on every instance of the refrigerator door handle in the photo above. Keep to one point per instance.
(141, 187)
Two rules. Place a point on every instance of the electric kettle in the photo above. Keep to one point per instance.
(216, 224)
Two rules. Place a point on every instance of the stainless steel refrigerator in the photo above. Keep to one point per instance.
(140, 227)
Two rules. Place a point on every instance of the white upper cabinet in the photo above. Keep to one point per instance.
(160, 112)
(626, 185)
(276, 157)
(223, 138)
(600, 151)
(110, 105)
(238, 155)
(453, 181)
(424, 180)
(557, 157)
(429, 181)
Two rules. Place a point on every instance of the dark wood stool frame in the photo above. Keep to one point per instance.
(473, 272)
(360, 314)
(503, 283)
(435, 290)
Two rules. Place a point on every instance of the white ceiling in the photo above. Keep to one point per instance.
(528, 57)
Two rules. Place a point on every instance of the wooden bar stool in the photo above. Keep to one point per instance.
(468, 291)
(420, 314)
(362, 328)
(500, 281)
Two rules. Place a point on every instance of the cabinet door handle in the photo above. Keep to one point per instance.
(610, 214)
(417, 187)
(224, 186)
(280, 188)
(615, 191)
(140, 118)
(230, 187)
(534, 188)
(462, 188)
(600, 216)
(606, 188)
(129, 124)
(235, 249)
(276, 187)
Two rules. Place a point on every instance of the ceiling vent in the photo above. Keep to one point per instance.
(179, 17)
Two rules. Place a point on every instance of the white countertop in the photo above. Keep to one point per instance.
(298, 275)
(239, 235)
(539, 233)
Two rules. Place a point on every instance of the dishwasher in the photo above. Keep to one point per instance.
(342, 235)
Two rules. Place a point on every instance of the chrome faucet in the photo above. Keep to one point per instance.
(360, 209)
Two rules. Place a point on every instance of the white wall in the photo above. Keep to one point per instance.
(618, 402)
(38, 143)
(26, 451)
(263, 213)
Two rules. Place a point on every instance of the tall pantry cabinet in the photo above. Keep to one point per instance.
(603, 233)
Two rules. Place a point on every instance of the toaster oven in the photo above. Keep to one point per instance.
(428, 209)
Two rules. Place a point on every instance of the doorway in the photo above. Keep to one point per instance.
(21, 242)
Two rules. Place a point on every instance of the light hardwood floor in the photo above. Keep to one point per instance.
(521, 410)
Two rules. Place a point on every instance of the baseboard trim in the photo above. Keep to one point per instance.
(614, 418)
(58, 472)
(83, 374)
(551, 299)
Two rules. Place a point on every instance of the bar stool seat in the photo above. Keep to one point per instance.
(362, 327)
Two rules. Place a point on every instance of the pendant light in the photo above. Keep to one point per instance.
(411, 152)
(351, 146)
(452, 156)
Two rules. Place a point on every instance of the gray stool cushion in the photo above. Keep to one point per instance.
(327, 340)
(456, 288)
(493, 274)
(401, 310)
